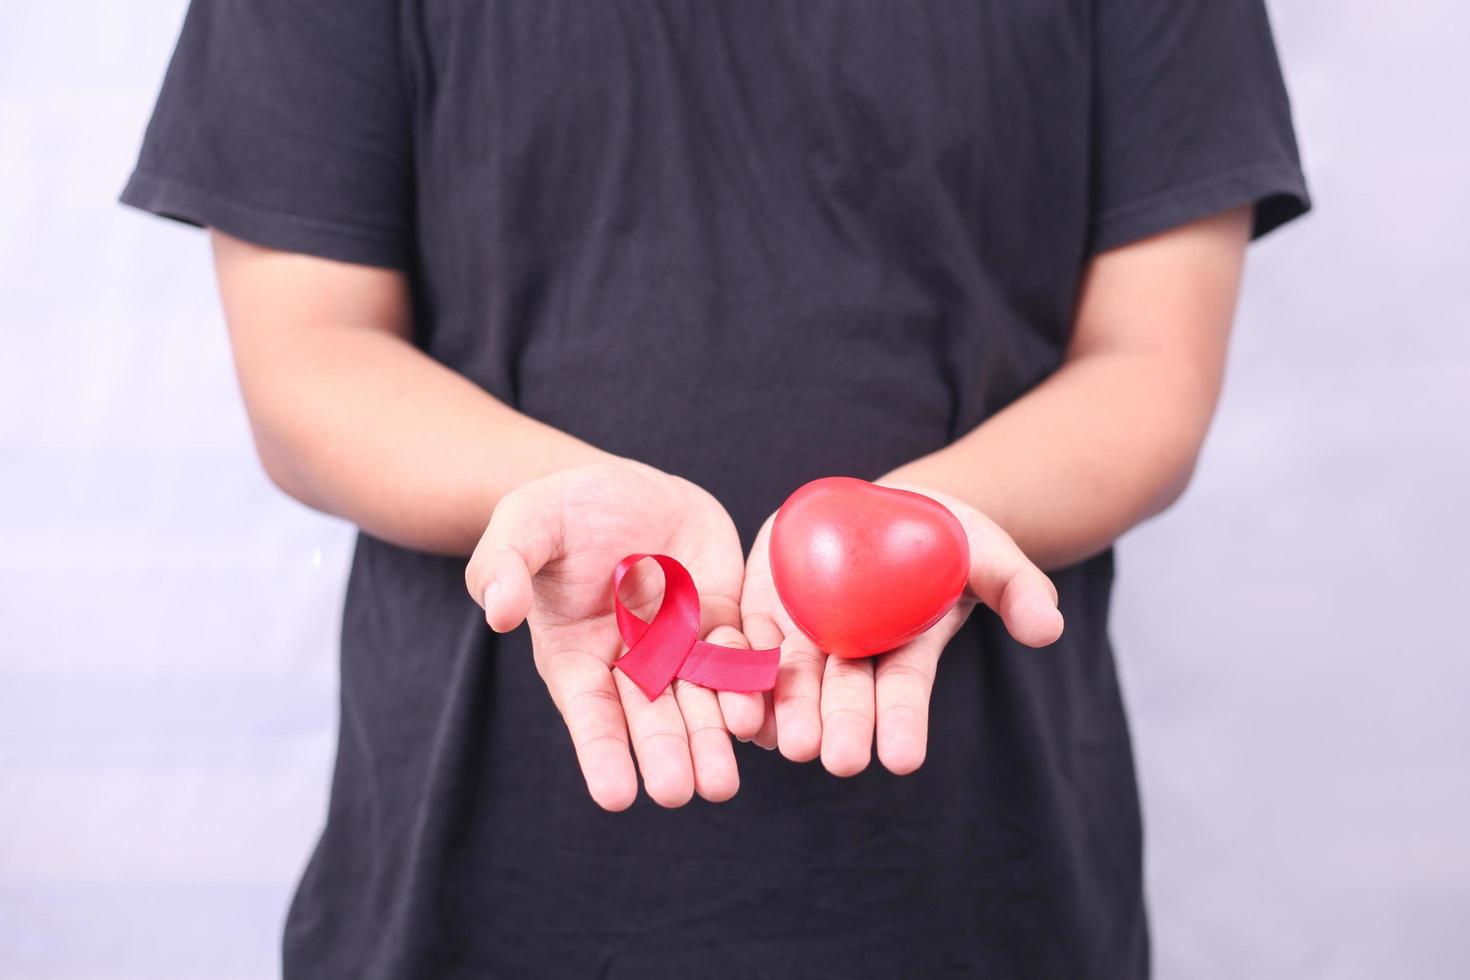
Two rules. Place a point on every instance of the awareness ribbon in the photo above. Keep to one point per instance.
(670, 647)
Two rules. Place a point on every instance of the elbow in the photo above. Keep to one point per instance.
(1175, 484)
(279, 463)
(1182, 441)
(1176, 471)
(279, 471)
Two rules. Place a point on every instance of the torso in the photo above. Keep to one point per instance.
(752, 244)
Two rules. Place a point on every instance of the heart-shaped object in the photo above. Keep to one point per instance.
(862, 568)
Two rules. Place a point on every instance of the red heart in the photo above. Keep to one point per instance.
(862, 568)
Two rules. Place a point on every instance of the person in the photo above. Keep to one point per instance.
(548, 283)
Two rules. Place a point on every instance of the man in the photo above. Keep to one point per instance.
(555, 282)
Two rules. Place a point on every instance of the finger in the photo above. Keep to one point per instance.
(797, 699)
(903, 682)
(660, 742)
(523, 535)
(744, 712)
(741, 711)
(748, 715)
(766, 737)
(584, 692)
(715, 776)
(763, 633)
(757, 600)
(1006, 580)
(847, 715)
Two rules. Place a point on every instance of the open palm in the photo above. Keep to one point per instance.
(547, 558)
(830, 706)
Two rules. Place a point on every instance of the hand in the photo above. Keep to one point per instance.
(830, 706)
(547, 557)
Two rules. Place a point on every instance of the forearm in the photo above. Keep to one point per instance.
(361, 424)
(1106, 442)
(350, 418)
(1111, 438)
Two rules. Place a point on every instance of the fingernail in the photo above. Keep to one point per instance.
(488, 599)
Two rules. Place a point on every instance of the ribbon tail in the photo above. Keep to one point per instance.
(731, 669)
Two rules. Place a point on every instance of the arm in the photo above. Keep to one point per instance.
(1105, 442)
(1111, 438)
(350, 418)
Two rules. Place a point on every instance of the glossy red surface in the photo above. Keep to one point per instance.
(863, 568)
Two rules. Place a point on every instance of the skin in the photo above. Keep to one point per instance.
(350, 418)
(547, 556)
(1107, 441)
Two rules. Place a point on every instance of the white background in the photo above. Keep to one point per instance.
(1292, 635)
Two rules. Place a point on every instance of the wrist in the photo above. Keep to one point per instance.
(921, 475)
(955, 474)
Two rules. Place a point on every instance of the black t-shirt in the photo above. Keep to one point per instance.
(750, 243)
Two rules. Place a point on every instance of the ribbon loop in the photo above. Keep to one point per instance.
(669, 645)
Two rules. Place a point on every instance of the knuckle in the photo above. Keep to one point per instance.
(592, 741)
(591, 699)
(683, 690)
(801, 657)
(698, 731)
(863, 718)
(900, 669)
(848, 672)
(920, 713)
(647, 740)
(791, 699)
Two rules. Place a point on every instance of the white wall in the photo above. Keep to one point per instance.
(1291, 635)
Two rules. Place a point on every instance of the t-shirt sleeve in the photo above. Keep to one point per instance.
(1190, 118)
(285, 123)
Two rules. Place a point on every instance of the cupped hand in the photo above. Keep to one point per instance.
(831, 707)
(547, 557)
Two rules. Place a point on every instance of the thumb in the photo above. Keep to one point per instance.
(524, 534)
(1003, 578)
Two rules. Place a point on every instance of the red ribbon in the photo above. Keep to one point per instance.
(670, 647)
